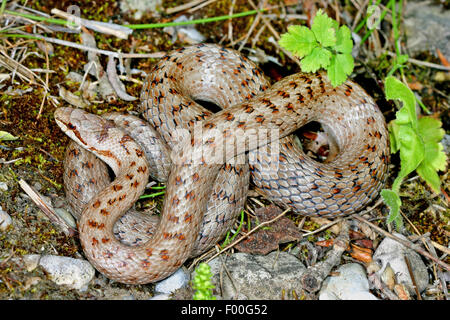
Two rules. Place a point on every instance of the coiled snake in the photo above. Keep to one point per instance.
(206, 166)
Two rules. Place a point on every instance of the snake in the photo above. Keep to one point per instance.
(206, 158)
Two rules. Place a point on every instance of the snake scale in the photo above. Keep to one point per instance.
(206, 158)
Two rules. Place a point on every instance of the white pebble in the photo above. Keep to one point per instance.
(74, 273)
(161, 296)
(3, 186)
(5, 220)
(350, 284)
(392, 253)
(179, 279)
(31, 261)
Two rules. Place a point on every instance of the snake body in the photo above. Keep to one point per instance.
(204, 196)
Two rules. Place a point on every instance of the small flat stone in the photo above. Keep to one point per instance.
(178, 280)
(74, 273)
(350, 284)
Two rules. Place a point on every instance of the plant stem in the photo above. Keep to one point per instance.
(204, 20)
(38, 18)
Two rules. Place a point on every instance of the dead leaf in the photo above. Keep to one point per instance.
(267, 239)
(360, 254)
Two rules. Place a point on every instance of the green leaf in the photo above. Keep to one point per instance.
(393, 201)
(323, 29)
(435, 159)
(299, 40)
(393, 136)
(430, 175)
(395, 89)
(344, 43)
(7, 136)
(412, 152)
(341, 65)
(430, 129)
(319, 58)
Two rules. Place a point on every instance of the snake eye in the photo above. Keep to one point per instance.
(71, 126)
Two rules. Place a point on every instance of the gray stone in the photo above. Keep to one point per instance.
(257, 276)
(427, 28)
(350, 284)
(178, 280)
(393, 252)
(140, 7)
(74, 273)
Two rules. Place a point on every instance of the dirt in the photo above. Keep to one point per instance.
(36, 156)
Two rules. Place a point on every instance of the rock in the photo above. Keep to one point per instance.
(257, 276)
(178, 280)
(139, 7)
(392, 253)
(427, 27)
(31, 261)
(3, 186)
(350, 284)
(5, 220)
(74, 273)
(162, 296)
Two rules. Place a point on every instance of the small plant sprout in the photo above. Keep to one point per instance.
(202, 283)
(325, 45)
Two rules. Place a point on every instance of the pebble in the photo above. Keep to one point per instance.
(31, 261)
(5, 220)
(3, 186)
(350, 284)
(138, 7)
(178, 280)
(391, 253)
(74, 273)
(257, 276)
(161, 296)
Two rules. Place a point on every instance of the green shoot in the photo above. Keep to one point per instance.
(228, 240)
(418, 141)
(202, 283)
(325, 45)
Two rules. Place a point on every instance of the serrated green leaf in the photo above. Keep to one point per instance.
(323, 29)
(393, 201)
(7, 136)
(344, 43)
(299, 40)
(395, 89)
(341, 65)
(412, 152)
(427, 173)
(318, 58)
(430, 129)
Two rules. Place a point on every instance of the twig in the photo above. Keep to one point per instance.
(413, 278)
(313, 277)
(115, 82)
(119, 31)
(250, 30)
(230, 22)
(277, 37)
(405, 243)
(201, 5)
(86, 48)
(423, 63)
(46, 209)
(249, 233)
(185, 6)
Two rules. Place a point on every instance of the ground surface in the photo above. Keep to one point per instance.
(37, 155)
